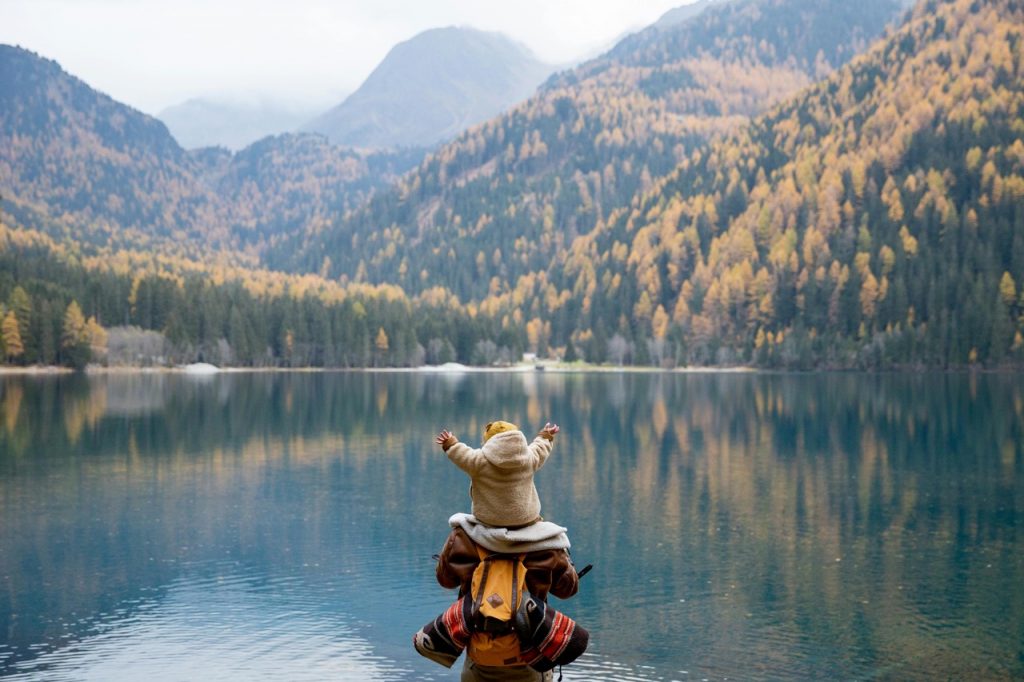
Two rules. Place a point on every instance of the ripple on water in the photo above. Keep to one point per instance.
(222, 627)
(594, 666)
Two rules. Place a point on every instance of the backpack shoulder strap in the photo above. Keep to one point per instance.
(486, 559)
(485, 568)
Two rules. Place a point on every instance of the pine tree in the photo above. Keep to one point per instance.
(13, 348)
(74, 340)
(47, 320)
(21, 305)
(97, 336)
(1008, 289)
(381, 345)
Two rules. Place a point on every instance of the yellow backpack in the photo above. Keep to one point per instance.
(499, 582)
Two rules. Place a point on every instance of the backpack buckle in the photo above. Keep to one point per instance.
(492, 626)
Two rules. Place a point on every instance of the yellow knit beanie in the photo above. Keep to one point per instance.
(494, 428)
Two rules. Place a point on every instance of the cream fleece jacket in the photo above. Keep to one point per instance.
(501, 477)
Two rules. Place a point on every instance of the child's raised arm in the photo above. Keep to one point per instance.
(461, 455)
(549, 431)
(540, 448)
(446, 439)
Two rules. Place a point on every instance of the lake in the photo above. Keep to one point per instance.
(280, 526)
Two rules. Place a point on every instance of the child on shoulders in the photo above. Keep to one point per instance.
(505, 520)
(501, 472)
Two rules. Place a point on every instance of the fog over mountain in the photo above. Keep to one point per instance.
(432, 87)
(233, 122)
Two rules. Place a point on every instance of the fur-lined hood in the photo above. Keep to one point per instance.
(507, 450)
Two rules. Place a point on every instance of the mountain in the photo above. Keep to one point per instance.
(875, 219)
(509, 196)
(83, 165)
(678, 15)
(287, 184)
(872, 219)
(80, 165)
(229, 122)
(643, 208)
(432, 87)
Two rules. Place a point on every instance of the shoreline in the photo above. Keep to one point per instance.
(451, 368)
(455, 369)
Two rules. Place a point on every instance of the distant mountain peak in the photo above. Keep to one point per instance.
(432, 87)
(232, 121)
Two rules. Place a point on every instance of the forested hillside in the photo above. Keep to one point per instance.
(287, 184)
(634, 211)
(80, 165)
(60, 307)
(873, 220)
(876, 219)
(506, 198)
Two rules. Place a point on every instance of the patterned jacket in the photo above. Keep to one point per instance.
(547, 571)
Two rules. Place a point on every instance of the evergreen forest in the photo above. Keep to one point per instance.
(791, 184)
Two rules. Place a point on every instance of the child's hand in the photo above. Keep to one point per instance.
(445, 439)
(549, 431)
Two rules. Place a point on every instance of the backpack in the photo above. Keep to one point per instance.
(499, 623)
(496, 593)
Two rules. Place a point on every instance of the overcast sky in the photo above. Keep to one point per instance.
(155, 53)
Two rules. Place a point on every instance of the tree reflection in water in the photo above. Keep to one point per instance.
(749, 525)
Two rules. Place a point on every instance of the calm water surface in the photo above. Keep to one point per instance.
(281, 526)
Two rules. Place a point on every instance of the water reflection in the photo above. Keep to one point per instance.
(743, 526)
(218, 628)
